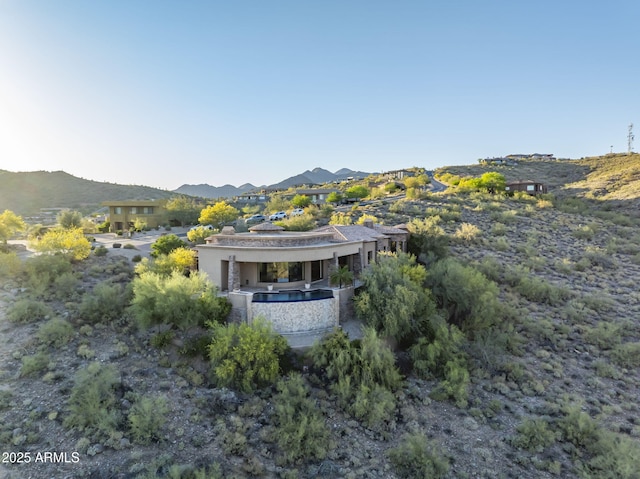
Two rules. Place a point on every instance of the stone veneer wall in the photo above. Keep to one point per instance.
(298, 316)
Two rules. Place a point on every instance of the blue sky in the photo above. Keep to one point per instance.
(163, 93)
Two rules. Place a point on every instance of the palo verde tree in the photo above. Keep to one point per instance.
(68, 242)
(10, 224)
(357, 192)
(166, 244)
(301, 201)
(69, 219)
(218, 214)
(393, 299)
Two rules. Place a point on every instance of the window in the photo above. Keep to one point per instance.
(316, 270)
(117, 210)
(147, 210)
(531, 187)
(133, 210)
(281, 272)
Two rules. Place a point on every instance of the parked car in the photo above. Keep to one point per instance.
(256, 219)
(280, 215)
(297, 212)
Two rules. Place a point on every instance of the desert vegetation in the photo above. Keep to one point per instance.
(503, 344)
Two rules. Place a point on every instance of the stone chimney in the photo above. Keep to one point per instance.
(368, 223)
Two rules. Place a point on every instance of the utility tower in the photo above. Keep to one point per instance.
(630, 138)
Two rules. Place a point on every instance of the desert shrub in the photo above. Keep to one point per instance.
(572, 205)
(41, 271)
(362, 374)
(146, 418)
(578, 427)
(10, 265)
(100, 251)
(540, 291)
(627, 355)
(605, 334)
(106, 303)
(498, 229)
(428, 242)
(534, 435)
(467, 232)
(490, 267)
(298, 223)
(246, 356)
(70, 243)
(441, 355)
(599, 257)
(129, 246)
(416, 458)
(55, 332)
(162, 339)
(65, 286)
(468, 297)
(92, 405)
(176, 299)
(34, 364)
(583, 232)
(392, 299)
(301, 431)
(28, 310)
(613, 456)
(136, 258)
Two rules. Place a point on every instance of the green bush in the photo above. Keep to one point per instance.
(428, 242)
(162, 339)
(146, 418)
(92, 405)
(55, 332)
(34, 364)
(540, 291)
(467, 232)
(42, 270)
(10, 265)
(534, 435)
(246, 356)
(176, 299)
(418, 458)
(300, 429)
(627, 355)
(106, 303)
(28, 310)
(393, 299)
(100, 251)
(166, 244)
(65, 286)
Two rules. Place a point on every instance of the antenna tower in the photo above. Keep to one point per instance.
(630, 138)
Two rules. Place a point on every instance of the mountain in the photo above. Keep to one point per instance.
(318, 176)
(26, 193)
(207, 191)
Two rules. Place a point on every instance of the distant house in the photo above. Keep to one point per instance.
(123, 214)
(528, 186)
(253, 197)
(318, 196)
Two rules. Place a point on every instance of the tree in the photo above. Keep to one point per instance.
(177, 300)
(198, 235)
(393, 299)
(341, 275)
(181, 260)
(493, 182)
(357, 192)
(218, 215)
(70, 219)
(334, 197)
(183, 210)
(10, 224)
(166, 244)
(68, 242)
(246, 356)
(301, 201)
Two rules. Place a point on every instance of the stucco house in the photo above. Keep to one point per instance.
(528, 186)
(123, 214)
(283, 275)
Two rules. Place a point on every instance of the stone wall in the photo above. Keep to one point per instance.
(298, 316)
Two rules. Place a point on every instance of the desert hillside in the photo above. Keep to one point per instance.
(550, 344)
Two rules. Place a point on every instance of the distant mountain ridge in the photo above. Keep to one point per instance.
(317, 176)
(25, 193)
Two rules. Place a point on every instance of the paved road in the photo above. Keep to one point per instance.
(436, 186)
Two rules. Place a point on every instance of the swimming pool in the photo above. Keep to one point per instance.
(292, 295)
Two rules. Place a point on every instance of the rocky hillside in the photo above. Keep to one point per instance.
(560, 400)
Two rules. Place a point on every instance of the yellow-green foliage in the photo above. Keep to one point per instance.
(298, 223)
(176, 299)
(416, 457)
(467, 232)
(340, 219)
(198, 235)
(28, 310)
(10, 265)
(534, 435)
(366, 217)
(301, 431)
(105, 303)
(68, 242)
(218, 214)
(34, 364)
(93, 403)
(246, 356)
(146, 418)
(10, 223)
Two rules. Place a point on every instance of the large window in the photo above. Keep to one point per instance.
(281, 272)
(316, 270)
(147, 210)
(117, 210)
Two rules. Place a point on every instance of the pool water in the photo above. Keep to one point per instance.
(292, 295)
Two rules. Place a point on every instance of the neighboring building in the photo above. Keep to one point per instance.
(253, 197)
(123, 214)
(248, 265)
(528, 186)
(318, 196)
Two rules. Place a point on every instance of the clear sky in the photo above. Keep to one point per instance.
(163, 93)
